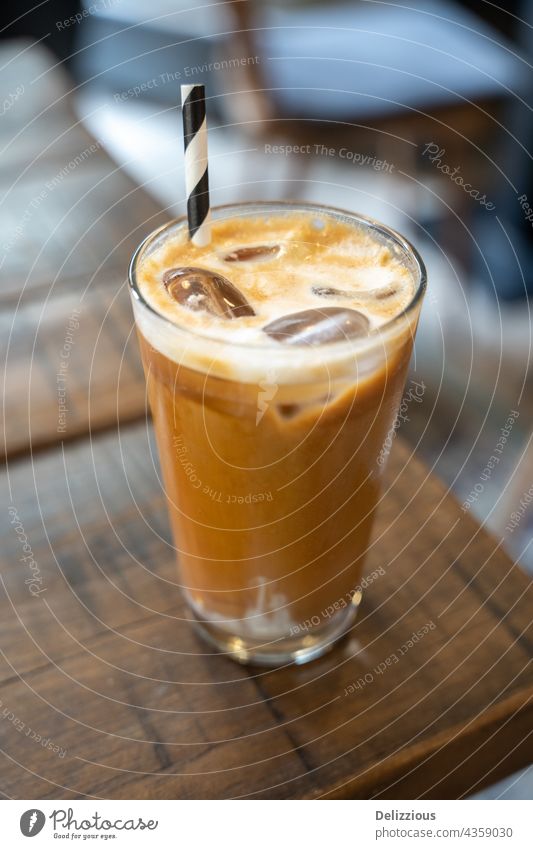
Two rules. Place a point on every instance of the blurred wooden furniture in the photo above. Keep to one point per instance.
(70, 220)
(360, 74)
(106, 690)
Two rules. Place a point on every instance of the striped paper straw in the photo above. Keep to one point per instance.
(196, 176)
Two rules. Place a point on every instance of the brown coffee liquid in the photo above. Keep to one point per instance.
(272, 482)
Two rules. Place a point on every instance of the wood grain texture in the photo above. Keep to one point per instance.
(71, 222)
(105, 664)
(72, 365)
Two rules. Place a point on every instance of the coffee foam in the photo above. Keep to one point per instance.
(316, 250)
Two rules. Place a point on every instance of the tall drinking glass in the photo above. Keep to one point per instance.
(272, 454)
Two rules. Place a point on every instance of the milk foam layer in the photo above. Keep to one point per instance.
(317, 251)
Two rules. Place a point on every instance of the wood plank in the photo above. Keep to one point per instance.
(72, 364)
(68, 222)
(104, 663)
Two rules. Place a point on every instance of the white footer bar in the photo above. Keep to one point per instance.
(267, 824)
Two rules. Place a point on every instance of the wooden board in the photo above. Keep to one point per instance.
(72, 363)
(69, 228)
(104, 664)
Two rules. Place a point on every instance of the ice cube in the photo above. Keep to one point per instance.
(386, 292)
(288, 411)
(200, 289)
(318, 326)
(363, 295)
(253, 253)
(330, 292)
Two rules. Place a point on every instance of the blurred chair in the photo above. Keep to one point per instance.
(38, 21)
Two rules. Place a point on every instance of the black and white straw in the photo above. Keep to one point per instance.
(196, 172)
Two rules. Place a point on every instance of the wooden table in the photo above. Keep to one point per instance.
(106, 690)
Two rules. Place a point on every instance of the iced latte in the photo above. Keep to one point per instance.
(275, 360)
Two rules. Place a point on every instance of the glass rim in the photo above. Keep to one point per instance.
(288, 205)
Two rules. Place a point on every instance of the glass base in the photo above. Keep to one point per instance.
(300, 648)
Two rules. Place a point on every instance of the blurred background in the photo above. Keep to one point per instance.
(419, 114)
